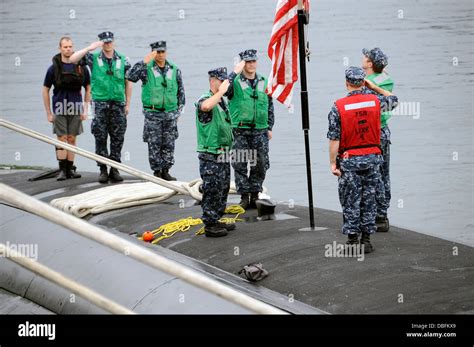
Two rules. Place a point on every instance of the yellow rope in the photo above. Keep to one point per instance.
(234, 209)
(182, 225)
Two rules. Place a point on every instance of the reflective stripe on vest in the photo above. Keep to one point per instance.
(118, 62)
(244, 85)
(359, 105)
(381, 78)
(169, 73)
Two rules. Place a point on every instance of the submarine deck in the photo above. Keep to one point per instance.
(409, 272)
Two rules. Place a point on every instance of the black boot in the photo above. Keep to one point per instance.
(114, 175)
(166, 176)
(157, 173)
(215, 230)
(351, 245)
(71, 170)
(244, 200)
(365, 241)
(62, 170)
(253, 199)
(104, 177)
(382, 224)
(352, 239)
(227, 226)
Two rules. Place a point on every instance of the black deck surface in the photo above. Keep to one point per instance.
(409, 272)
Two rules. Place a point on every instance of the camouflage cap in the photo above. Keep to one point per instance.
(158, 46)
(106, 36)
(254, 272)
(219, 73)
(378, 58)
(248, 55)
(355, 75)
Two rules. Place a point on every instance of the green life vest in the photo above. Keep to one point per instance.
(216, 136)
(385, 82)
(160, 92)
(108, 84)
(248, 106)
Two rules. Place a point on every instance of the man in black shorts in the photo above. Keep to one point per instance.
(68, 110)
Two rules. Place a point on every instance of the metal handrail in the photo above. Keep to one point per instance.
(65, 282)
(128, 248)
(82, 152)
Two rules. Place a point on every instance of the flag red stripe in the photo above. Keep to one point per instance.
(284, 94)
(283, 51)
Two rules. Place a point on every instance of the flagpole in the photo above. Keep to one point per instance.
(302, 21)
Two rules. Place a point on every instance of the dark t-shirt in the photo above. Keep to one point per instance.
(62, 97)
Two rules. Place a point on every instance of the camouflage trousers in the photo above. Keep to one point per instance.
(160, 131)
(109, 120)
(250, 144)
(215, 175)
(383, 189)
(357, 187)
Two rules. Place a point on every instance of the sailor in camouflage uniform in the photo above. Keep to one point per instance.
(111, 95)
(374, 62)
(252, 117)
(214, 137)
(354, 152)
(163, 101)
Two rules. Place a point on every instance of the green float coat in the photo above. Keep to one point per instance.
(216, 136)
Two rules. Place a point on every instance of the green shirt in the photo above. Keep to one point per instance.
(384, 81)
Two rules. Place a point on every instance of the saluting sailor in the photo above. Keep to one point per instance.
(374, 63)
(252, 122)
(111, 95)
(214, 136)
(163, 101)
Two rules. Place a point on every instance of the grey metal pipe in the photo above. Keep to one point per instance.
(63, 281)
(93, 156)
(128, 248)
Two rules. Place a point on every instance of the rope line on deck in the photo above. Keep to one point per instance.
(134, 250)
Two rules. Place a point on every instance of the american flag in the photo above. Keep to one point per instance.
(283, 51)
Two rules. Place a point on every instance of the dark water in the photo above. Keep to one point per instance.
(432, 192)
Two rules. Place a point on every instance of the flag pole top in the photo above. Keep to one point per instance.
(305, 11)
(301, 4)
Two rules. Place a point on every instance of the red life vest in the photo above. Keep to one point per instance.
(360, 125)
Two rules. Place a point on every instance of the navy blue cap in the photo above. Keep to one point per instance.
(158, 46)
(355, 75)
(378, 58)
(106, 36)
(219, 73)
(248, 55)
